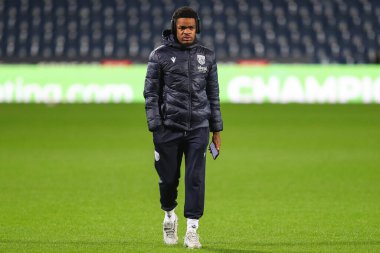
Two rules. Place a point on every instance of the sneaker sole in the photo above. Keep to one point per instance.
(195, 247)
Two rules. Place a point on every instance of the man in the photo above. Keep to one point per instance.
(182, 106)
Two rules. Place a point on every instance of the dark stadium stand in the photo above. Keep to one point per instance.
(308, 31)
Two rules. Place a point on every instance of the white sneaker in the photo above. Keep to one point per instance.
(192, 240)
(170, 231)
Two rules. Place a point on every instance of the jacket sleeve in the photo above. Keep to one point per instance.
(152, 90)
(216, 123)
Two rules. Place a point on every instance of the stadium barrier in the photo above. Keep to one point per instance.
(238, 84)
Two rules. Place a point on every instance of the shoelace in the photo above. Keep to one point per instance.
(169, 230)
(193, 236)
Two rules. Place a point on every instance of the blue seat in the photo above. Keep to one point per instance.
(336, 31)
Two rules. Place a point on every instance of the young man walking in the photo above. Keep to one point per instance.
(182, 107)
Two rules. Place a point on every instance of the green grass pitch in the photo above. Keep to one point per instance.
(290, 178)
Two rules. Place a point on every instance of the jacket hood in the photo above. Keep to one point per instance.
(168, 39)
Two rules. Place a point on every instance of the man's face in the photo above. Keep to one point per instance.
(186, 29)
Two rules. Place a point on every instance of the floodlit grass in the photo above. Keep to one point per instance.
(290, 178)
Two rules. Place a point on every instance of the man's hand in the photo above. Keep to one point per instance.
(216, 139)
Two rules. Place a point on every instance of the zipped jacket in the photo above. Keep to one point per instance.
(181, 87)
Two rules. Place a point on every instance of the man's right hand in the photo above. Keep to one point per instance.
(216, 139)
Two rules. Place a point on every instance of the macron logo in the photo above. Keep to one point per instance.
(173, 59)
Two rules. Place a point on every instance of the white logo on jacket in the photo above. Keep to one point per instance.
(173, 59)
(202, 69)
(156, 156)
(201, 59)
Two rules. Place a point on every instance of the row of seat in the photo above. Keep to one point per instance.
(336, 31)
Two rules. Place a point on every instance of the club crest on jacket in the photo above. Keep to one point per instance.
(201, 59)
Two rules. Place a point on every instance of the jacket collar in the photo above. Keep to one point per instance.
(168, 39)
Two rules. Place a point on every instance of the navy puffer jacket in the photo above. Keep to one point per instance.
(181, 87)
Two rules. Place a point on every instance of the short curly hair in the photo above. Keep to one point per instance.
(185, 12)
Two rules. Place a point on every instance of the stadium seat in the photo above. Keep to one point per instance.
(312, 31)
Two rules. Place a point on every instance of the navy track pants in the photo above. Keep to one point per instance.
(170, 145)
